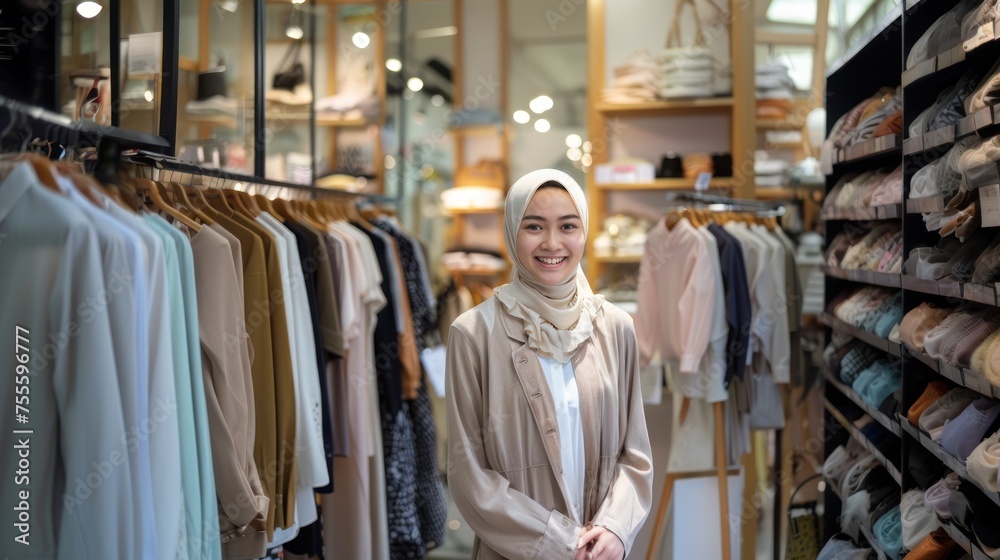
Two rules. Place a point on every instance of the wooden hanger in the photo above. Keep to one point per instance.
(152, 193)
(249, 202)
(672, 218)
(43, 169)
(217, 199)
(197, 197)
(185, 204)
(265, 204)
(236, 202)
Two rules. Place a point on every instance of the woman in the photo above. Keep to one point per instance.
(548, 455)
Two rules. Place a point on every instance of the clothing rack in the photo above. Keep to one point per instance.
(26, 123)
(724, 203)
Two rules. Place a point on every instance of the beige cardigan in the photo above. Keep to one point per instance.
(503, 440)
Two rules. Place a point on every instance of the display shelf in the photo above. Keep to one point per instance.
(876, 147)
(860, 438)
(887, 421)
(925, 205)
(618, 259)
(977, 122)
(935, 140)
(969, 546)
(891, 20)
(960, 376)
(953, 463)
(887, 279)
(779, 124)
(883, 212)
(666, 107)
(681, 184)
(877, 342)
(866, 532)
(942, 66)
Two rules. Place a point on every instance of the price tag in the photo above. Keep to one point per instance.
(989, 199)
(144, 53)
(701, 183)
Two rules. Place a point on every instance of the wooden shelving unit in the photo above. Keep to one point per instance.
(739, 107)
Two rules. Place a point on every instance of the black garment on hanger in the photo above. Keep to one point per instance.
(738, 312)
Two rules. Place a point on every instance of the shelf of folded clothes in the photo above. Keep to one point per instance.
(866, 149)
(887, 421)
(953, 463)
(877, 342)
(964, 542)
(941, 65)
(886, 279)
(978, 122)
(671, 106)
(863, 213)
(863, 440)
(926, 204)
(961, 376)
(680, 184)
(977, 293)
(937, 140)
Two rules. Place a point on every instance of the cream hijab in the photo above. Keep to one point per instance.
(557, 319)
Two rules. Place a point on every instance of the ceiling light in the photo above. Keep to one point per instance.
(540, 104)
(521, 117)
(148, 96)
(542, 125)
(393, 65)
(587, 146)
(298, 1)
(574, 141)
(294, 32)
(361, 39)
(415, 84)
(437, 100)
(574, 154)
(586, 160)
(88, 9)
(229, 5)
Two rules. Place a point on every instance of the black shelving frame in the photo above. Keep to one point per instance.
(876, 63)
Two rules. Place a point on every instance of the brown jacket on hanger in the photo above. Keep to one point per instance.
(504, 458)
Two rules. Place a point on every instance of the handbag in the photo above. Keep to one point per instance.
(803, 527)
(290, 71)
(767, 411)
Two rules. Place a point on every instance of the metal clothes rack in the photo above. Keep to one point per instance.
(24, 123)
(734, 204)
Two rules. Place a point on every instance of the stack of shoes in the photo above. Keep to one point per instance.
(637, 79)
(774, 90)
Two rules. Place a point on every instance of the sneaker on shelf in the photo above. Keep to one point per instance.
(215, 105)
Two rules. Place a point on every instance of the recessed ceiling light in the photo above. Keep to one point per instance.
(88, 9)
(542, 125)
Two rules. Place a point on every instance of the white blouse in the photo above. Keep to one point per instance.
(566, 398)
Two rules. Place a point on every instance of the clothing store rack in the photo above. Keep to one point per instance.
(763, 209)
(35, 122)
(25, 123)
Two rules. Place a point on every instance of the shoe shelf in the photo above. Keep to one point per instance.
(681, 184)
(864, 441)
(883, 212)
(647, 108)
(887, 421)
(887, 279)
(953, 463)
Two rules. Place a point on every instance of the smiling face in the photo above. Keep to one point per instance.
(550, 237)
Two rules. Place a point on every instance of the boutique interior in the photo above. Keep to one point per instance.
(842, 148)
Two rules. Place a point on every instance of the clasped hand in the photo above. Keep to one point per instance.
(598, 543)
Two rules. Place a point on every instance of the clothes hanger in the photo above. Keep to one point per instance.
(672, 218)
(236, 202)
(265, 204)
(216, 198)
(152, 192)
(196, 196)
(249, 202)
(183, 202)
